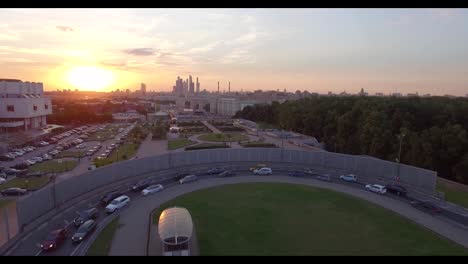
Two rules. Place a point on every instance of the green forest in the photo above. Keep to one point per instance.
(434, 128)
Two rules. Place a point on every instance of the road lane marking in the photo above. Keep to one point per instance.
(76, 248)
(38, 253)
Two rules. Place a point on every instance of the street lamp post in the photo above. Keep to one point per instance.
(401, 136)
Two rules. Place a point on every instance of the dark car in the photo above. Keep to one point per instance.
(106, 199)
(226, 174)
(54, 239)
(20, 166)
(12, 171)
(84, 230)
(297, 173)
(427, 206)
(6, 158)
(14, 192)
(141, 185)
(85, 215)
(324, 177)
(214, 171)
(396, 189)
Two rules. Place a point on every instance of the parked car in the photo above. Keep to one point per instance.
(3, 175)
(377, 188)
(92, 167)
(310, 171)
(141, 185)
(263, 171)
(324, 177)
(106, 199)
(396, 189)
(188, 178)
(6, 157)
(2, 180)
(226, 173)
(54, 239)
(117, 203)
(30, 162)
(85, 215)
(214, 171)
(297, 173)
(427, 206)
(20, 166)
(14, 191)
(37, 159)
(152, 189)
(84, 230)
(256, 167)
(349, 178)
(14, 172)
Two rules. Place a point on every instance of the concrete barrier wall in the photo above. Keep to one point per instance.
(41, 201)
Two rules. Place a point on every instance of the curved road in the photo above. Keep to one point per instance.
(131, 237)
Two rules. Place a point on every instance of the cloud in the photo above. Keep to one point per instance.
(205, 48)
(65, 28)
(141, 51)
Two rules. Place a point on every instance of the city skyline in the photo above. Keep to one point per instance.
(318, 50)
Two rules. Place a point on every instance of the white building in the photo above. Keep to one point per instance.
(229, 106)
(23, 105)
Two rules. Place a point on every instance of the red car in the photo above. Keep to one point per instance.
(54, 239)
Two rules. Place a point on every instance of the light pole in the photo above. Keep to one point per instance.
(401, 136)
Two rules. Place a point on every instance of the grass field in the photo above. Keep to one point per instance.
(286, 219)
(179, 143)
(225, 137)
(103, 242)
(54, 166)
(4, 203)
(124, 152)
(453, 194)
(33, 183)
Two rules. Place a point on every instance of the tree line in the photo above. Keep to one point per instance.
(434, 128)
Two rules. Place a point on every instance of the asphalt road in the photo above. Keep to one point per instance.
(131, 238)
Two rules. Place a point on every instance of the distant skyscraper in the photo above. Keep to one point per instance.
(143, 88)
(191, 85)
(229, 89)
(218, 86)
(198, 86)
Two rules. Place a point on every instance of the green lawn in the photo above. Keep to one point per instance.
(263, 125)
(54, 166)
(4, 203)
(453, 195)
(178, 143)
(124, 152)
(225, 137)
(33, 183)
(102, 244)
(73, 154)
(287, 219)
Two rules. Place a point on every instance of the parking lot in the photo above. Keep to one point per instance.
(70, 145)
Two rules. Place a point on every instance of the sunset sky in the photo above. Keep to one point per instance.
(321, 50)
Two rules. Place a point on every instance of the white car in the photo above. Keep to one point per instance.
(188, 178)
(117, 203)
(46, 157)
(2, 180)
(377, 188)
(37, 159)
(152, 189)
(263, 171)
(30, 162)
(349, 178)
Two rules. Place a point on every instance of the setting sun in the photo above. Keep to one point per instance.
(90, 78)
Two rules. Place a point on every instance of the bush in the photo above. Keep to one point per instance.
(210, 146)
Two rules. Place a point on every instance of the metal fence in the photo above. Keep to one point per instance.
(371, 169)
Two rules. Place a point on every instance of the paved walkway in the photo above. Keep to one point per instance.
(211, 127)
(131, 238)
